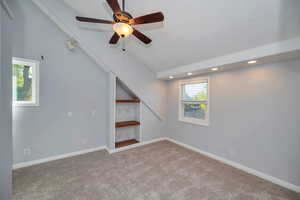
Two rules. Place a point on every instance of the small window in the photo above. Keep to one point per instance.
(25, 82)
(194, 101)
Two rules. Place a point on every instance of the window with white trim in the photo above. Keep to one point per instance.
(25, 82)
(194, 101)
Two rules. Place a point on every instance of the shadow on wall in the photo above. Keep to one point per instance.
(289, 19)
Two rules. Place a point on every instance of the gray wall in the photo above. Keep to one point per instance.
(254, 118)
(5, 106)
(151, 127)
(69, 82)
(136, 75)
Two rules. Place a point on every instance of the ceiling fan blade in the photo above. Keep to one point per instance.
(146, 19)
(92, 20)
(114, 39)
(141, 36)
(114, 5)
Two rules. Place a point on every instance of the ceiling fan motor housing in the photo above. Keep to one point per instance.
(122, 17)
(123, 22)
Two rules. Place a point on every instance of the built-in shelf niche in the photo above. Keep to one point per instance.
(127, 116)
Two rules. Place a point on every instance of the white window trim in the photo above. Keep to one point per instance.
(181, 117)
(35, 83)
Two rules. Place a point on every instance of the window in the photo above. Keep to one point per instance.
(194, 101)
(25, 82)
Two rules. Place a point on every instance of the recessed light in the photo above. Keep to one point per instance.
(214, 69)
(171, 77)
(190, 74)
(252, 61)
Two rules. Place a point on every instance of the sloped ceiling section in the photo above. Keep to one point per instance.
(139, 78)
(199, 30)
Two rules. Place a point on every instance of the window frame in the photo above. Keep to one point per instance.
(35, 81)
(206, 121)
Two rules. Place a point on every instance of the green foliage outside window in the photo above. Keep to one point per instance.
(193, 94)
(22, 82)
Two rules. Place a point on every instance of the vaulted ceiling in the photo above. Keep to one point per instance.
(196, 30)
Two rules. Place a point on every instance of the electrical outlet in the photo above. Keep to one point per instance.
(93, 113)
(70, 114)
(27, 152)
(232, 152)
(84, 141)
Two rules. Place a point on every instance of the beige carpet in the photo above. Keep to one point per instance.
(159, 171)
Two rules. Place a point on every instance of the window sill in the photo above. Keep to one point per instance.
(26, 105)
(195, 122)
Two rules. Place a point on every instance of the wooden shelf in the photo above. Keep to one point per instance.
(127, 123)
(126, 143)
(128, 101)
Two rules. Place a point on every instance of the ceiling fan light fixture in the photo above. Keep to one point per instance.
(123, 29)
(123, 21)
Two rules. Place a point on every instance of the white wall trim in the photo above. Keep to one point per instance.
(35, 64)
(239, 166)
(58, 157)
(111, 151)
(264, 51)
(76, 153)
(181, 117)
(112, 111)
(236, 165)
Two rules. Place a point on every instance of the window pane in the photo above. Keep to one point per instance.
(197, 111)
(22, 83)
(195, 92)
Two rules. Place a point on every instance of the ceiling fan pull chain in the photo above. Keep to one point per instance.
(123, 45)
(123, 22)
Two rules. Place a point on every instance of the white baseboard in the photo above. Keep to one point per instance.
(52, 158)
(239, 166)
(136, 145)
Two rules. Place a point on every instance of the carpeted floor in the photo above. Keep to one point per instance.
(159, 171)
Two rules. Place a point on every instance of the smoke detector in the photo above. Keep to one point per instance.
(72, 44)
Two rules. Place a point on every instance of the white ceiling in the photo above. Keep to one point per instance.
(196, 30)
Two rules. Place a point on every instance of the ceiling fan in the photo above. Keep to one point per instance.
(123, 22)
